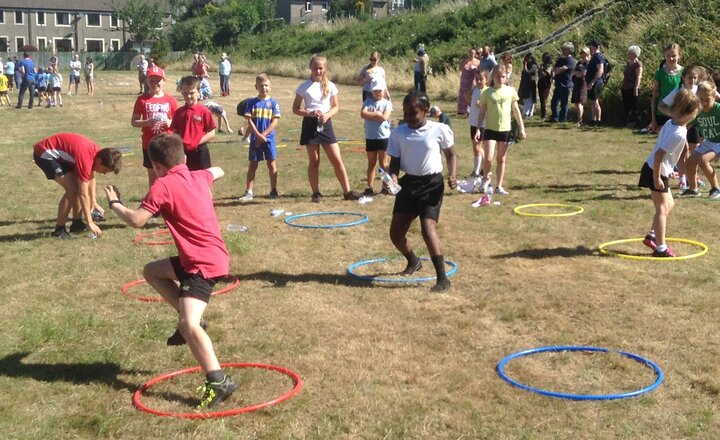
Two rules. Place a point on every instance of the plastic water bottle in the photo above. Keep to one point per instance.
(236, 228)
(320, 126)
(392, 185)
(489, 192)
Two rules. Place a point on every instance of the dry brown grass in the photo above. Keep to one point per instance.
(377, 362)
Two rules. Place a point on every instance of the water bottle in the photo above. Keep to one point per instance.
(236, 228)
(320, 126)
(392, 185)
(489, 192)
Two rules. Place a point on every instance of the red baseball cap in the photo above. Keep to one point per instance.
(156, 71)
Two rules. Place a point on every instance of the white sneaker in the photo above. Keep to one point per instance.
(500, 190)
(247, 197)
(683, 186)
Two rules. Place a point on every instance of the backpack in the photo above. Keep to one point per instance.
(607, 69)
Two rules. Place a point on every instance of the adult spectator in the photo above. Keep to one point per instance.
(142, 68)
(595, 82)
(630, 88)
(368, 73)
(487, 59)
(9, 72)
(579, 92)
(528, 85)
(421, 69)
(563, 84)
(26, 68)
(506, 60)
(75, 68)
(468, 67)
(53, 60)
(18, 76)
(545, 78)
(224, 70)
(200, 68)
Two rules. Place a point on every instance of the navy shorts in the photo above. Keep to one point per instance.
(53, 168)
(376, 144)
(646, 179)
(474, 130)
(310, 136)
(594, 92)
(199, 158)
(193, 285)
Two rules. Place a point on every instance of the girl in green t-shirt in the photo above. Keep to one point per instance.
(666, 79)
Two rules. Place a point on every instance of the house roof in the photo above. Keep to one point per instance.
(67, 5)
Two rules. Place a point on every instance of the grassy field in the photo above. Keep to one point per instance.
(377, 362)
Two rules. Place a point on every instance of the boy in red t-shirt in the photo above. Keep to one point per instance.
(182, 197)
(153, 113)
(71, 160)
(195, 124)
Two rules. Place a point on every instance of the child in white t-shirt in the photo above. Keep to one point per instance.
(376, 113)
(659, 165)
(481, 83)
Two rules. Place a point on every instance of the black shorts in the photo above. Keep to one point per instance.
(646, 179)
(594, 92)
(310, 136)
(199, 158)
(56, 89)
(53, 168)
(375, 145)
(499, 136)
(693, 135)
(474, 130)
(42, 88)
(146, 159)
(420, 196)
(193, 285)
(661, 119)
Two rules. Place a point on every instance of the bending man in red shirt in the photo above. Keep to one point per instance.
(71, 160)
(182, 197)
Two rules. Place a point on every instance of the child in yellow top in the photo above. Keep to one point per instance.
(4, 90)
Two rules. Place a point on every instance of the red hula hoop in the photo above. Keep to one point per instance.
(231, 412)
(139, 238)
(127, 286)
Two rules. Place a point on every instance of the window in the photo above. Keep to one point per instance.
(4, 46)
(93, 20)
(308, 6)
(19, 17)
(62, 44)
(325, 5)
(41, 43)
(94, 45)
(2, 17)
(20, 41)
(114, 21)
(62, 19)
(115, 45)
(40, 18)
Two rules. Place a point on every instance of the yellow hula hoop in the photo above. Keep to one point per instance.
(577, 210)
(703, 250)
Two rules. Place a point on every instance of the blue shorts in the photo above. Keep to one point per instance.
(266, 151)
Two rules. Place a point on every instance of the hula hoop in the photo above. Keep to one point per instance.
(352, 267)
(363, 219)
(210, 415)
(139, 238)
(577, 210)
(635, 357)
(703, 250)
(235, 283)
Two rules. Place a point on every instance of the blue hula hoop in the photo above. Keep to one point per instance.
(363, 219)
(635, 357)
(352, 267)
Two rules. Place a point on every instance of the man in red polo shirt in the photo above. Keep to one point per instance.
(71, 160)
(195, 124)
(182, 197)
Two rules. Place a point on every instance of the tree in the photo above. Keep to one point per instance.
(141, 19)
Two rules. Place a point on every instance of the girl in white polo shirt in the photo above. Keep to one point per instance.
(416, 148)
(319, 95)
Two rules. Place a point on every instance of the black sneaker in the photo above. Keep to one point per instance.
(178, 339)
(215, 393)
(690, 193)
(351, 195)
(384, 192)
(316, 197)
(714, 194)
(274, 194)
(78, 226)
(368, 192)
(61, 234)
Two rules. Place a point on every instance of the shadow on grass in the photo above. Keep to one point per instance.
(45, 233)
(20, 222)
(537, 254)
(610, 172)
(283, 279)
(105, 373)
